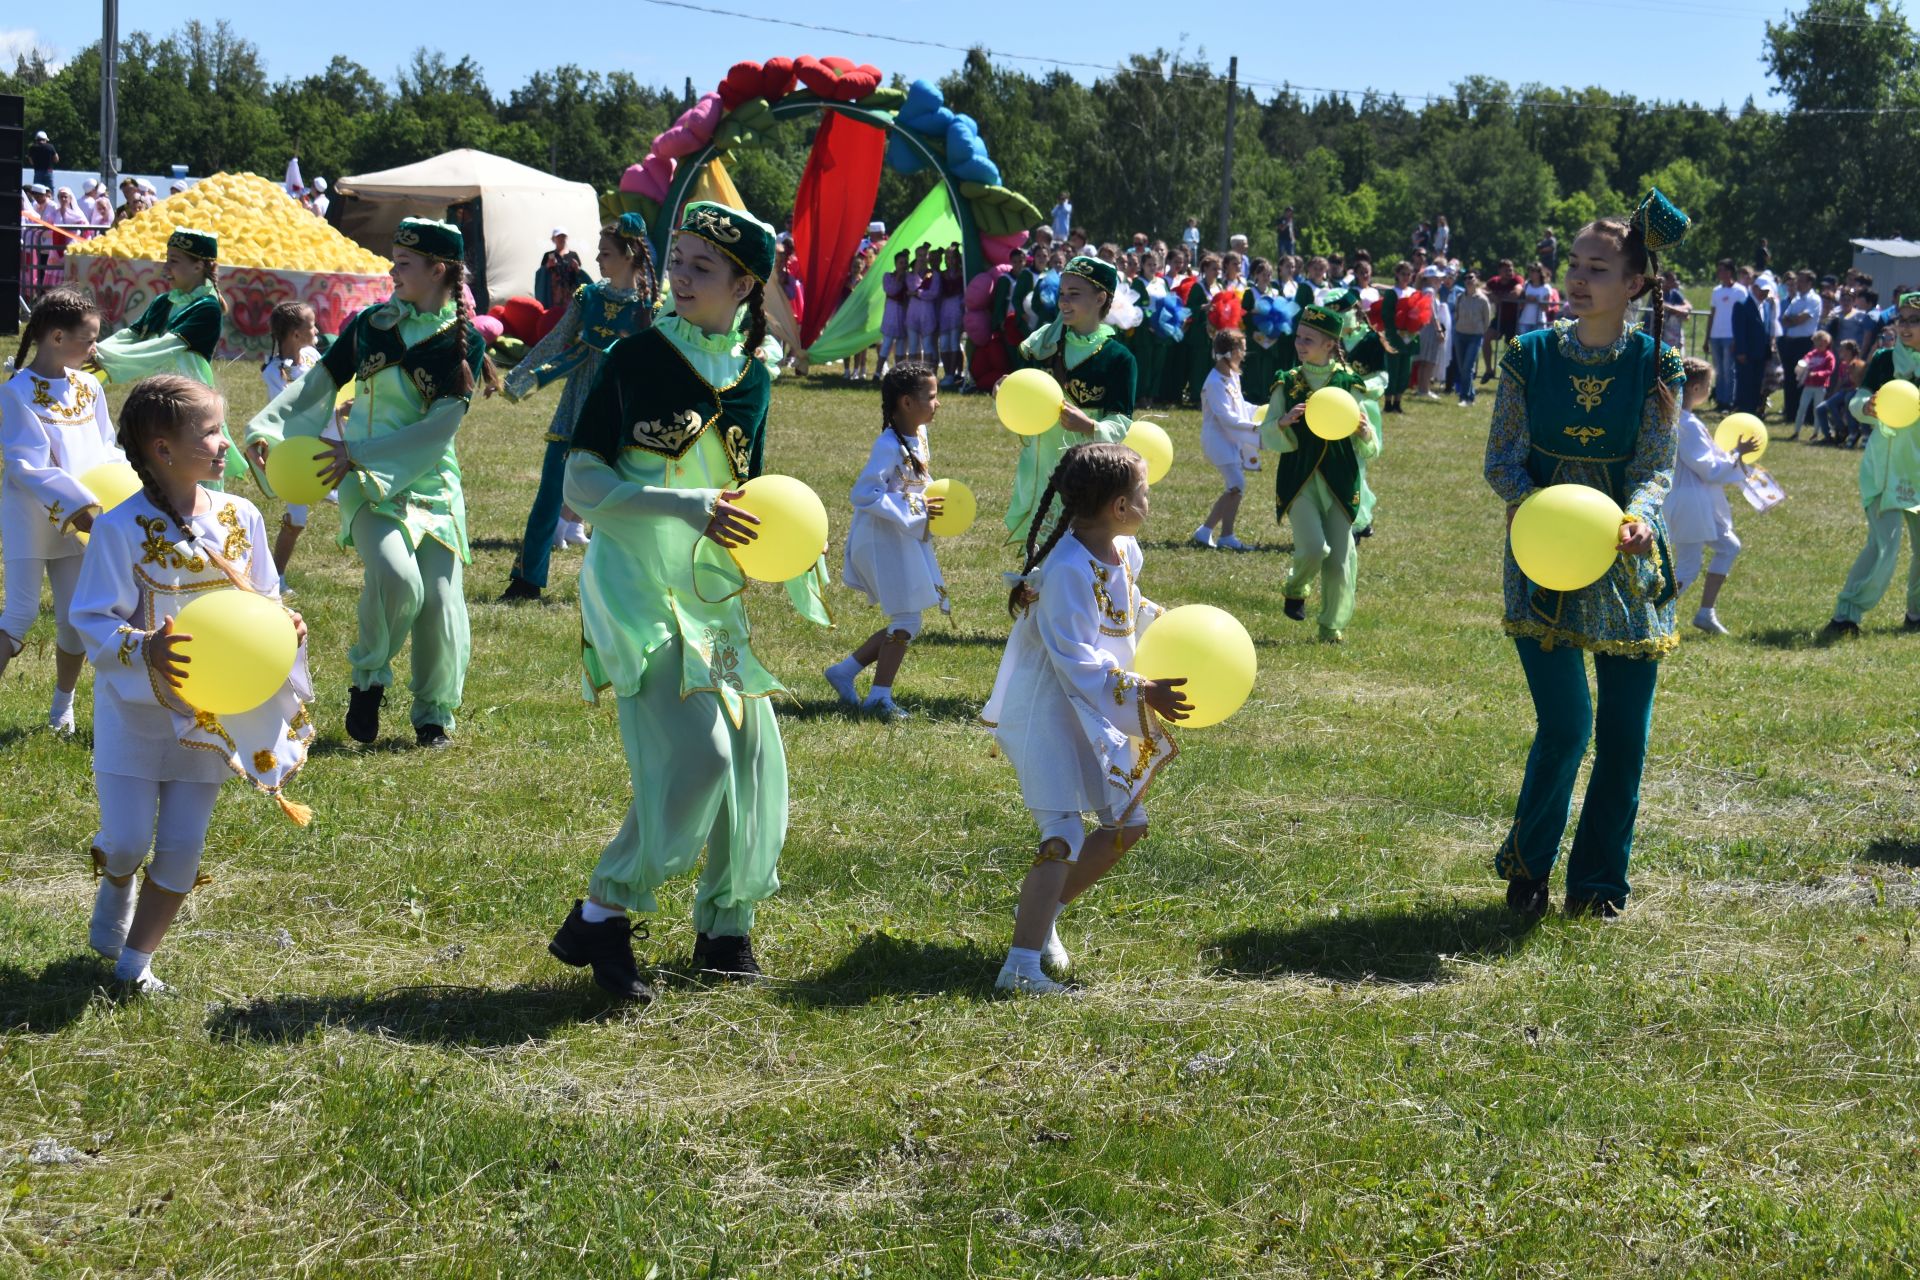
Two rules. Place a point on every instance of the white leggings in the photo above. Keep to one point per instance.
(23, 600)
(907, 622)
(1071, 828)
(169, 818)
(1688, 557)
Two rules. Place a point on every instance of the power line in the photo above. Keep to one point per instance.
(1173, 71)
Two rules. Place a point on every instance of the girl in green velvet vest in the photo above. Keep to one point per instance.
(1591, 401)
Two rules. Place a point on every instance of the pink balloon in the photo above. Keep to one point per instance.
(656, 175)
(979, 324)
(634, 180)
(996, 248)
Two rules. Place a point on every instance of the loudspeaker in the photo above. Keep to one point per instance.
(13, 154)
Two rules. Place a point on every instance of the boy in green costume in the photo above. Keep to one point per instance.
(1889, 483)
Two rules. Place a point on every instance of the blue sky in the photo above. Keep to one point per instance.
(1710, 49)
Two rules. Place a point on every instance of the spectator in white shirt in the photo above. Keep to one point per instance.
(1726, 296)
(1798, 322)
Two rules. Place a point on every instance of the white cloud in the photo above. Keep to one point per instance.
(18, 41)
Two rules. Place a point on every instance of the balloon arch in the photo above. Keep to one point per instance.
(867, 124)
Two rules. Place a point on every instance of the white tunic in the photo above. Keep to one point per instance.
(280, 370)
(52, 431)
(889, 556)
(1697, 504)
(139, 571)
(1065, 707)
(1228, 434)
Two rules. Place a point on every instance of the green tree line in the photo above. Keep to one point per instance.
(1141, 149)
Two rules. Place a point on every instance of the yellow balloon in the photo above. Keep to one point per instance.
(1333, 413)
(1897, 404)
(1151, 441)
(241, 651)
(960, 509)
(111, 483)
(1736, 427)
(1260, 414)
(792, 530)
(294, 467)
(1208, 648)
(1566, 536)
(1029, 401)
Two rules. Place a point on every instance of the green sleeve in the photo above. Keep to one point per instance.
(127, 358)
(304, 407)
(601, 498)
(394, 462)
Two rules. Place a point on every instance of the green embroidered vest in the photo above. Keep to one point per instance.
(198, 323)
(1102, 384)
(373, 343)
(648, 397)
(1334, 460)
(1880, 370)
(1586, 415)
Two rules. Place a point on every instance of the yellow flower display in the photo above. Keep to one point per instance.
(259, 225)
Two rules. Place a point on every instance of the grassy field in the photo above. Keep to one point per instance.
(1313, 1043)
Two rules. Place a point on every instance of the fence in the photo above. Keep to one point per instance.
(43, 255)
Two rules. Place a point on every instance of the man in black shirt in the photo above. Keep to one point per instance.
(43, 157)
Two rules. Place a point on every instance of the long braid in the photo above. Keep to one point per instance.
(159, 406)
(756, 319)
(1088, 477)
(902, 380)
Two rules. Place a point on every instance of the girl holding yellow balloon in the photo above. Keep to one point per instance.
(889, 557)
(1698, 516)
(1587, 409)
(53, 431)
(179, 709)
(1095, 372)
(414, 361)
(1889, 402)
(1081, 727)
(1229, 437)
(665, 455)
(1320, 483)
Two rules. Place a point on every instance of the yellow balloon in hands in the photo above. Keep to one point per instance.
(1210, 650)
(1897, 404)
(1029, 401)
(110, 483)
(958, 511)
(1736, 427)
(1566, 536)
(792, 531)
(1155, 447)
(241, 649)
(1333, 413)
(294, 469)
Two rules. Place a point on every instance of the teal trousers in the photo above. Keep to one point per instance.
(1568, 719)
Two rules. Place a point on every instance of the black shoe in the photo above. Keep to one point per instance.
(1839, 628)
(363, 712)
(726, 957)
(431, 736)
(1528, 897)
(1598, 908)
(608, 947)
(1363, 533)
(1295, 609)
(518, 589)
(1910, 623)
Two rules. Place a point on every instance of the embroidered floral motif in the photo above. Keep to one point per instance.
(1586, 435)
(716, 225)
(1082, 392)
(426, 385)
(263, 761)
(129, 641)
(54, 513)
(236, 546)
(158, 550)
(739, 452)
(372, 363)
(1118, 618)
(723, 659)
(1590, 391)
(670, 435)
(55, 411)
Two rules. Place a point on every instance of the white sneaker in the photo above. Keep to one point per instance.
(1231, 543)
(1054, 953)
(883, 706)
(61, 724)
(112, 917)
(144, 985)
(843, 684)
(1203, 537)
(1029, 984)
(575, 532)
(1709, 621)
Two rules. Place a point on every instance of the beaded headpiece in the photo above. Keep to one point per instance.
(1660, 222)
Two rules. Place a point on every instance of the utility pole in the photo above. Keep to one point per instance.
(109, 96)
(1226, 174)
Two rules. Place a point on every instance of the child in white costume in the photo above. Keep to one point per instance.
(1082, 731)
(158, 763)
(53, 429)
(294, 331)
(1229, 437)
(889, 557)
(1698, 518)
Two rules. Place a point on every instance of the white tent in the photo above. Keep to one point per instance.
(1893, 264)
(518, 208)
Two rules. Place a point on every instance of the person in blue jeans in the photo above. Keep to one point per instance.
(603, 311)
(1727, 294)
(1472, 316)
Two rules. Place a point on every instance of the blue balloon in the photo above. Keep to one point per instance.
(1169, 317)
(903, 156)
(1275, 316)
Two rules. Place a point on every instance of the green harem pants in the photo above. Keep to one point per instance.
(411, 593)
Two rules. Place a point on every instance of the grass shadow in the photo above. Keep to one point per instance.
(442, 1015)
(1895, 852)
(45, 1002)
(881, 965)
(1409, 945)
(939, 708)
(950, 638)
(333, 744)
(1789, 638)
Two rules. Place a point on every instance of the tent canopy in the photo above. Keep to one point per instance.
(1893, 264)
(519, 206)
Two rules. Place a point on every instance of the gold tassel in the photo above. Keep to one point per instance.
(299, 814)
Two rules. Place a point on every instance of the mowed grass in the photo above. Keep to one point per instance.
(1312, 1043)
